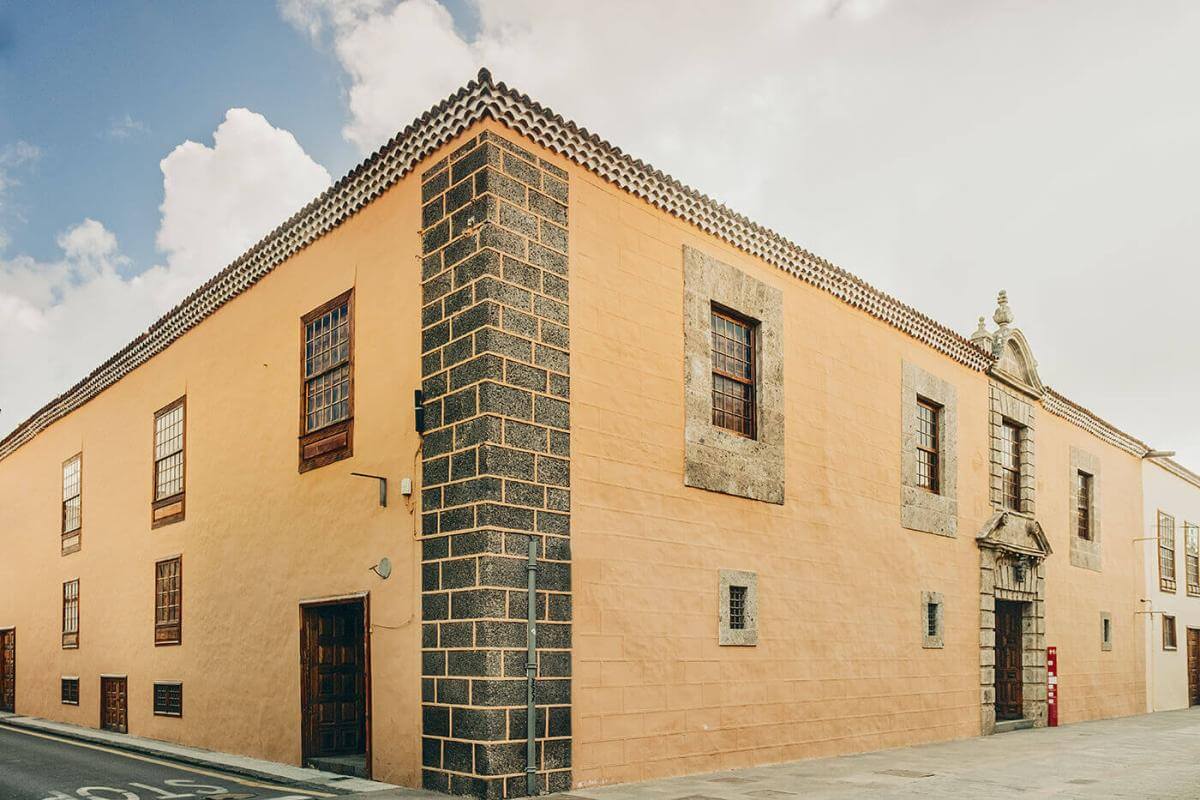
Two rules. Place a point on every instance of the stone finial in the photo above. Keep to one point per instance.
(981, 338)
(1003, 315)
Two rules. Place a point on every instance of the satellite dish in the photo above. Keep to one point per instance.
(384, 568)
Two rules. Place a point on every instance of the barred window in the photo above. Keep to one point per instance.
(327, 382)
(327, 368)
(1010, 464)
(733, 375)
(168, 451)
(1169, 642)
(1166, 552)
(70, 691)
(928, 445)
(168, 601)
(168, 699)
(1083, 495)
(1191, 535)
(70, 614)
(737, 608)
(931, 619)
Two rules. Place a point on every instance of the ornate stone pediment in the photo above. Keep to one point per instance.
(1014, 364)
(1014, 533)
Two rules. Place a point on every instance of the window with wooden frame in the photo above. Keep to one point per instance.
(1191, 547)
(70, 691)
(1166, 552)
(72, 508)
(1083, 504)
(928, 445)
(170, 468)
(1010, 464)
(70, 614)
(168, 601)
(168, 699)
(733, 373)
(327, 383)
(1169, 641)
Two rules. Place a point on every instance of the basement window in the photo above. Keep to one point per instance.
(70, 691)
(737, 608)
(737, 596)
(168, 699)
(932, 624)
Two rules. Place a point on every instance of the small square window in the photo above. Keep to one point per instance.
(733, 373)
(738, 610)
(932, 625)
(70, 691)
(168, 699)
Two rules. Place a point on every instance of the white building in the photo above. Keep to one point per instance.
(1171, 605)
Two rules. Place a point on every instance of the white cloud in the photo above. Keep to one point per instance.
(940, 150)
(125, 127)
(69, 315)
(12, 158)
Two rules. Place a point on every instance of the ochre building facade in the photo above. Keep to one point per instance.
(775, 513)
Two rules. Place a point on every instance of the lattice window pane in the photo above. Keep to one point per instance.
(737, 608)
(928, 446)
(1010, 464)
(327, 368)
(1192, 550)
(71, 516)
(168, 699)
(1166, 552)
(168, 601)
(733, 373)
(168, 452)
(70, 615)
(1083, 494)
(327, 398)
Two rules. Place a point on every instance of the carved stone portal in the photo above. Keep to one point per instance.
(1012, 552)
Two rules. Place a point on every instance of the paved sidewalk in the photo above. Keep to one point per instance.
(286, 774)
(1148, 757)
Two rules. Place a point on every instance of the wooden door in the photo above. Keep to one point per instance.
(1008, 660)
(8, 670)
(1193, 666)
(334, 695)
(114, 705)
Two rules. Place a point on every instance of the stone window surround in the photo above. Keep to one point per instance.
(921, 509)
(1106, 624)
(739, 637)
(937, 640)
(1085, 553)
(714, 458)
(1005, 405)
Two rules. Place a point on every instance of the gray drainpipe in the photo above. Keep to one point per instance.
(531, 779)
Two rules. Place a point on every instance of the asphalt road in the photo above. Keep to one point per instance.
(39, 767)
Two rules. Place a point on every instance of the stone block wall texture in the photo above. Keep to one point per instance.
(495, 467)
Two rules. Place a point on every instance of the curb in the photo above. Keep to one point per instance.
(324, 781)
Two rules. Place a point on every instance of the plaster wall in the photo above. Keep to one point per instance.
(839, 665)
(1166, 673)
(258, 538)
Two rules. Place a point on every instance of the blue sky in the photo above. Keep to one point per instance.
(941, 149)
(71, 73)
